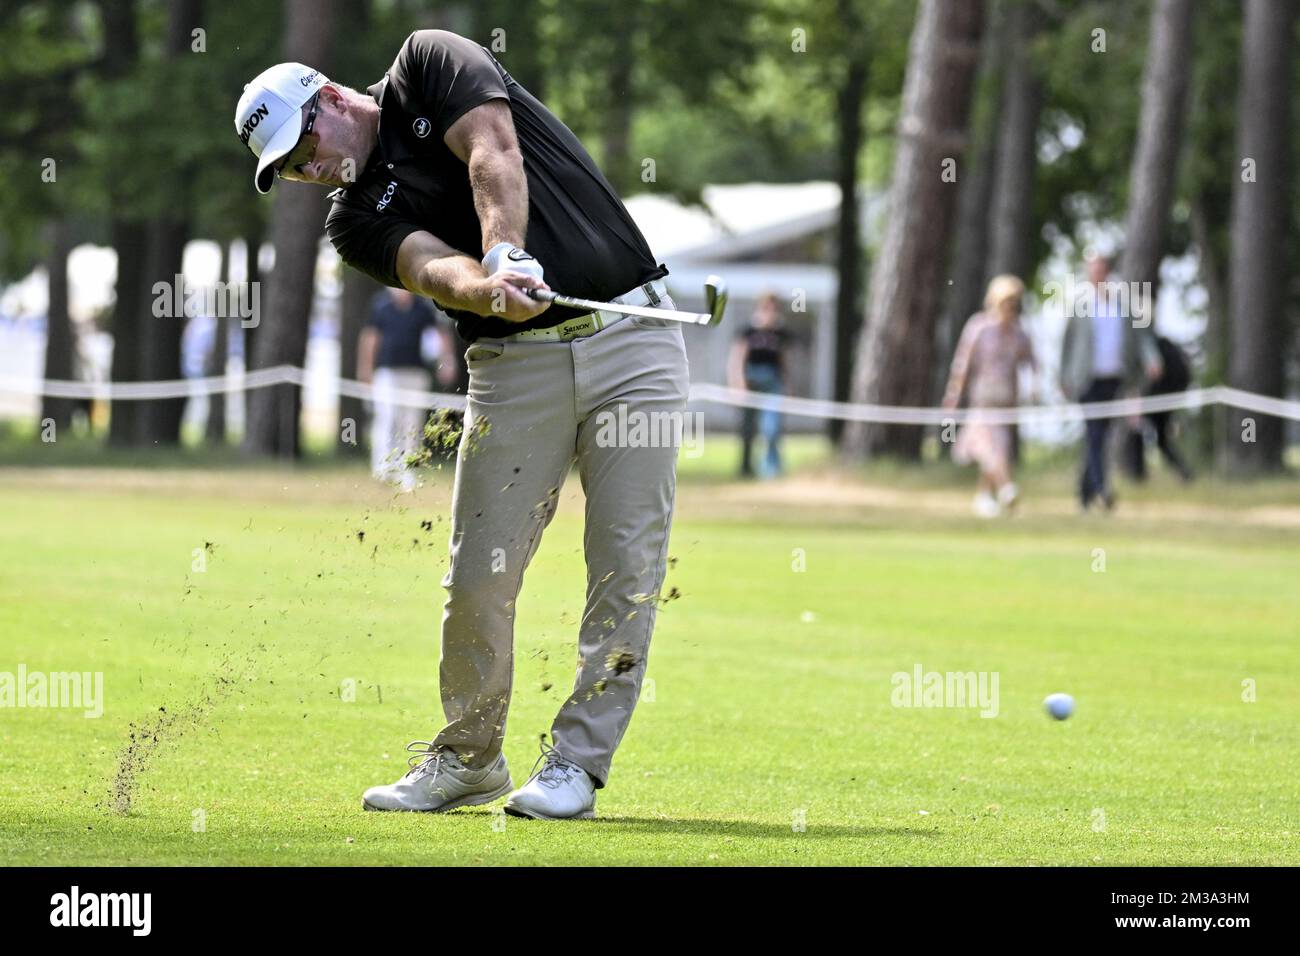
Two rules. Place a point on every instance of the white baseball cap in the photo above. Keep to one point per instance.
(268, 118)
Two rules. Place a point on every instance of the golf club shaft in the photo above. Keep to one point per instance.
(645, 311)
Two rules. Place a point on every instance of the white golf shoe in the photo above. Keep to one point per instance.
(1008, 495)
(438, 781)
(986, 506)
(559, 791)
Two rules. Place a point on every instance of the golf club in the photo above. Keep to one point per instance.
(715, 297)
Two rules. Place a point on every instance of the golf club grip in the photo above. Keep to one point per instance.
(547, 295)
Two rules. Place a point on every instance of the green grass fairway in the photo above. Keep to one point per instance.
(771, 695)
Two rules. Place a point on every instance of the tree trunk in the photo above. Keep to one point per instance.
(1160, 135)
(848, 255)
(618, 166)
(252, 274)
(60, 341)
(1011, 224)
(297, 221)
(1210, 270)
(1210, 151)
(214, 432)
(121, 49)
(1258, 282)
(895, 351)
(970, 246)
(971, 233)
(358, 290)
(272, 418)
(129, 304)
(158, 422)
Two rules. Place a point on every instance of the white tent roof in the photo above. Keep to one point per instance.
(738, 220)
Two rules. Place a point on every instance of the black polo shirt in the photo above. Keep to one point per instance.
(577, 227)
(765, 346)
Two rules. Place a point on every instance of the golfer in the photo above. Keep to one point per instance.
(455, 183)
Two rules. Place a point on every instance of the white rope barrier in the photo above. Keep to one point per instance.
(221, 384)
(1020, 414)
(717, 394)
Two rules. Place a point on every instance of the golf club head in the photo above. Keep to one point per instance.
(715, 298)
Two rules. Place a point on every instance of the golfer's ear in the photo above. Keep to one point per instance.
(332, 97)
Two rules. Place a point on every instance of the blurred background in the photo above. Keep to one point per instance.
(974, 139)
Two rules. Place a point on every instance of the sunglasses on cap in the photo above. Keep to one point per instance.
(304, 157)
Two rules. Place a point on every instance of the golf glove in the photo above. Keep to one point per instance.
(503, 256)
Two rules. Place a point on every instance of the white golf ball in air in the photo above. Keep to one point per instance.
(1059, 706)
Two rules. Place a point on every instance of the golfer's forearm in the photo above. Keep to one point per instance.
(500, 195)
(453, 282)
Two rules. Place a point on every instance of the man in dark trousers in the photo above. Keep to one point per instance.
(447, 171)
(1175, 376)
(757, 363)
(1104, 353)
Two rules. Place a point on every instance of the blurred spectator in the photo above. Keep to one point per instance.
(84, 370)
(389, 355)
(985, 373)
(197, 341)
(757, 363)
(1103, 353)
(1175, 376)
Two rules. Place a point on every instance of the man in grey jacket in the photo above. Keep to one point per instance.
(1103, 353)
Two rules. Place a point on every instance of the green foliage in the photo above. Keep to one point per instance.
(1089, 126)
(46, 49)
(718, 92)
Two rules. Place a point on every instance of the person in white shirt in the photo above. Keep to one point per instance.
(1103, 352)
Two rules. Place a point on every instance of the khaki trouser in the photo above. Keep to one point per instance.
(545, 404)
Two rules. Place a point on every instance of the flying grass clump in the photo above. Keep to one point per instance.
(443, 434)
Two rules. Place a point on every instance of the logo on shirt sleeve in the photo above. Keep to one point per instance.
(422, 127)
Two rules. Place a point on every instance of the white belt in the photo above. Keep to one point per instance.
(591, 323)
